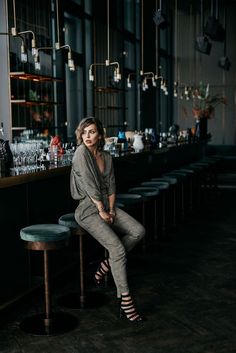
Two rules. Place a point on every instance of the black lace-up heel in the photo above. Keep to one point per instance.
(128, 310)
(102, 271)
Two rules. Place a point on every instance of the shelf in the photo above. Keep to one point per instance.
(25, 102)
(109, 107)
(108, 89)
(21, 75)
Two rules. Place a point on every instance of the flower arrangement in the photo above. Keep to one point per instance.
(204, 104)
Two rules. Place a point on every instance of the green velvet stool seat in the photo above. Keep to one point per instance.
(80, 300)
(120, 205)
(149, 194)
(128, 199)
(47, 237)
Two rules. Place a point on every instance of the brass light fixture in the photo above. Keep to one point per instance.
(15, 33)
(70, 60)
(148, 76)
(23, 51)
(145, 75)
(57, 46)
(108, 63)
(37, 64)
(34, 50)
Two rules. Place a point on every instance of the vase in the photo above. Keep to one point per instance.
(201, 128)
(138, 143)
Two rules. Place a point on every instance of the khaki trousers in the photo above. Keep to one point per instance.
(118, 239)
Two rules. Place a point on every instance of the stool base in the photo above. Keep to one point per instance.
(90, 300)
(59, 323)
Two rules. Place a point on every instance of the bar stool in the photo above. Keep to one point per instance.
(80, 300)
(214, 165)
(181, 177)
(207, 166)
(149, 194)
(201, 170)
(190, 177)
(162, 186)
(132, 202)
(173, 186)
(47, 237)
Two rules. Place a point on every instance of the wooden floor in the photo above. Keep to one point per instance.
(185, 286)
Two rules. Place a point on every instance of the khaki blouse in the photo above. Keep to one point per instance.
(87, 182)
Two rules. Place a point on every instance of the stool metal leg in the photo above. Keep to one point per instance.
(47, 289)
(144, 224)
(163, 213)
(48, 323)
(83, 299)
(81, 256)
(155, 220)
(174, 207)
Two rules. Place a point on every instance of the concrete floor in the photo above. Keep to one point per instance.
(185, 286)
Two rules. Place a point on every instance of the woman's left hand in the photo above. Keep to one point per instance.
(112, 217)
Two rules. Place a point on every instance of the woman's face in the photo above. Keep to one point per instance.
(90, 136)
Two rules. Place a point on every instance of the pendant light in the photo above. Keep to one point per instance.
(213, 27)
(159, 18)
(108, 63)
(224, 62)
(57, 46)
(157, 75)
(148, 76)
(70, 60)
(202, 43)
(16, 33)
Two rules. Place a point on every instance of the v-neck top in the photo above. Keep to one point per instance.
(87, 182)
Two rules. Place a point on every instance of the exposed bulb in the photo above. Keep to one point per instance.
(37, 65)
(13, 31)
(33, 47)
(91, 77)
(71, 64)
(118, 76)
(128, 83)
(154, 82)
(23, 54)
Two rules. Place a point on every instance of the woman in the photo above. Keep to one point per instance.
(93, 184)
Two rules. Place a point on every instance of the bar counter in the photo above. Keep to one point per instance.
(42, 197)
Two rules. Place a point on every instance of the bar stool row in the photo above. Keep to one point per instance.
(176, 188)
